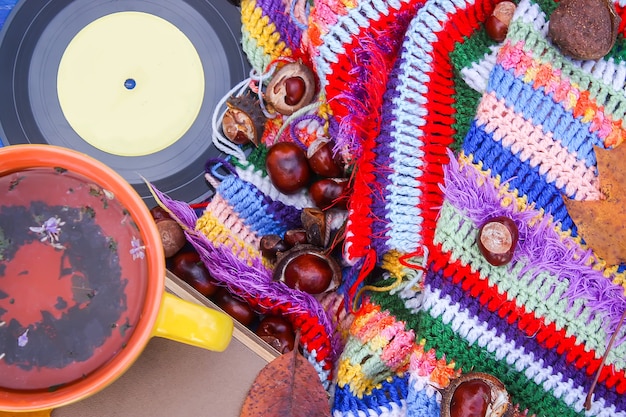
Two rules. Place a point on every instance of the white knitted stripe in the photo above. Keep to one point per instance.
(477, 75)
(409, 106)
(263, 183)
(394, 410)
(476, 332)
(345, 28)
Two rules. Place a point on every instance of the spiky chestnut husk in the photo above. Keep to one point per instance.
(476, 394)
(243, 120)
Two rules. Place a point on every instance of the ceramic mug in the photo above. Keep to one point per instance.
(82, 281)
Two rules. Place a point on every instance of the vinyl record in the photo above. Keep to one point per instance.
(132, 83)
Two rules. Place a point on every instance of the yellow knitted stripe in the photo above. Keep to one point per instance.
(262, 31)
(216, 232)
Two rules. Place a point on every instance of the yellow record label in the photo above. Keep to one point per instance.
(130, 83)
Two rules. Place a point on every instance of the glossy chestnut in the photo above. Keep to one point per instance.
(476, 394)
(322, 160)
(295, 237)
(287, 167)
(235, 307)
(329, 192)
(189, 267)
(497, 24)
(277, 332)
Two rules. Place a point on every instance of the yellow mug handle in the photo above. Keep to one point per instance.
(193, 324)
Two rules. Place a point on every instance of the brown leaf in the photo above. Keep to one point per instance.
(287, 386)
(602, 224)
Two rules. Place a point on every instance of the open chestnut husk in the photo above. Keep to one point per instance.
(307, 268)
(476, 394)
(291, 88)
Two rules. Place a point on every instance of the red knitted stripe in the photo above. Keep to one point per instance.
(495, 300)
(342, 75)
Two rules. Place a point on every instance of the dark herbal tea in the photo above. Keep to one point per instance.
(73, 277)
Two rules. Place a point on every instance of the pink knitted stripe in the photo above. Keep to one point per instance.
(573, 99)
(224, 213)
(539, 148)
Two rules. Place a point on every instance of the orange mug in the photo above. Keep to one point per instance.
(82, 281)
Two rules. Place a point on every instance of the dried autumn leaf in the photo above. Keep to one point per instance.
(287, 386)
(602, 223)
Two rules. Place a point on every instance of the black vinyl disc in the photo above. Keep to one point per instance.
(33, 42)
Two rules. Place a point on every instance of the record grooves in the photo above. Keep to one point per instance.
(32, 45)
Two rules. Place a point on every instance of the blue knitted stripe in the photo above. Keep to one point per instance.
(420, 404)
(520, 175)
(380, 400)
(250, 205)
(540, 109)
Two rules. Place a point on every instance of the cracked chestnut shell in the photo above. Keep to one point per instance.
(243, 120)
(497, 24)
(584, 29)
(291, 88)
(476, 394)
(497, 239)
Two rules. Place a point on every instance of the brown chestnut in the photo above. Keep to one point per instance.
(295, 237)
(270, 245)
(329, 192)
(291, 88)
(159, 213)
(172, 236)
(189, 267)
(235, 307)
(475, 394)
(322, 160)
(277, 332)
(309, 273)
(497, 239)
(497, 24)
(307, 268)
(287, 167)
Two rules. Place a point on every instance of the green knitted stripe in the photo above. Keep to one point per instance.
(542, 295)
(395, 306)
(614, 103)
(547, 6)
(256, 55)
(466, 101)
(524, 391)
(255, 159)
(618, 52)
(472, 50)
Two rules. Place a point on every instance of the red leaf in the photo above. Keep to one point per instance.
(287, 386)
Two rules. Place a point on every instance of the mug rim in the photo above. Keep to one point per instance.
(23, 156)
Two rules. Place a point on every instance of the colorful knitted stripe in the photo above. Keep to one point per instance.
(353, 46)
(378, 347)
(542, 322)
(267, 32)
(235, 263)
(396, 187)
